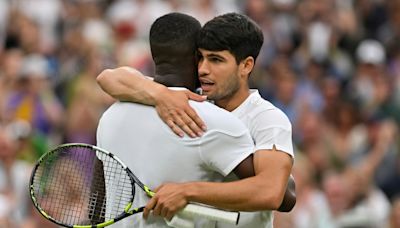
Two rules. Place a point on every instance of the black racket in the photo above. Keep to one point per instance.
(80, 185)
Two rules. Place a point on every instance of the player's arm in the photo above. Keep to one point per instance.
(246, 169)
(267, 189)
(289, 199)
(264, 191)
(128, 84)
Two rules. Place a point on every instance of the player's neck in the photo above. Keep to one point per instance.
(234, 101)
(184, 79)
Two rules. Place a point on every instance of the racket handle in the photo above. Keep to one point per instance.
(179, 222)
(193, 210)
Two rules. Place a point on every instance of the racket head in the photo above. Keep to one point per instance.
(81, 185)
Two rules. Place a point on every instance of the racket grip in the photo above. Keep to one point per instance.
(179, 222)
(193, 210)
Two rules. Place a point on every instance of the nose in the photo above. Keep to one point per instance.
(203, 68)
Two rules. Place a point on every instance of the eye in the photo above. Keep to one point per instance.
(215, 60)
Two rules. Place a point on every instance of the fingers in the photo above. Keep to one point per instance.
(149, 206)
(168, 214)
(164, 213)
(185, 121)
(177, 130)
(158, 209)
(175, 111)
(153, 205)
(198, 122)
(165, 210)
(194, 121)
(167, 201)
(195, 96)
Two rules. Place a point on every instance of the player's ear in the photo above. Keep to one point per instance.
(246, 66)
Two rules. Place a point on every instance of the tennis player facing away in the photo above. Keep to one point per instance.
(228, 47)
(136, 134)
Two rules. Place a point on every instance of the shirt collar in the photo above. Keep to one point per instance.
(254, 95)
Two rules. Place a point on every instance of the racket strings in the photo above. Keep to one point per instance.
(60, 186)
(79, 186)
(118, 185)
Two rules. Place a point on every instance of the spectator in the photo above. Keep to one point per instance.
(34, 101)
(333, 66)
(312, 210)
(14, 176)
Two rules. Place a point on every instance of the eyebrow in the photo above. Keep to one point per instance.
(212, 55)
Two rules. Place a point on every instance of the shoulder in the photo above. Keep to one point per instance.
(274, 117)
(264, 112)
(124, 111)
(208, 109)
(217, 118)
(121, 106)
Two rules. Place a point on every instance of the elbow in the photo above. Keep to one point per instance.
(103, 77)
(275, 202)
(109, 82)
(272, 202)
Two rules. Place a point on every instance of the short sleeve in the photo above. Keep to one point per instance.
(222, 151)
(271, 129)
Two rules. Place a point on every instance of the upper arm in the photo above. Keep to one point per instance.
(274, 168)
(245, 168)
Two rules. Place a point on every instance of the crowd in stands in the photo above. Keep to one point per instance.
(333, 66)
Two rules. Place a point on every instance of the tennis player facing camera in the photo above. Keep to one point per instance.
(228, 47)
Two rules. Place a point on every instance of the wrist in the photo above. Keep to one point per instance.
(191, 191)
(156, 92)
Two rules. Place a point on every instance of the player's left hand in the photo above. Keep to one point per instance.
(169, 199)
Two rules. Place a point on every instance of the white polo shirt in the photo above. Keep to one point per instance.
(268, 126)
(136, 134)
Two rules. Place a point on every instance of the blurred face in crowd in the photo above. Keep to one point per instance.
(8, 147)
(337, 192)
(12, 62)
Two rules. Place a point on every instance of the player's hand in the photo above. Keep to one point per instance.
(169, 199)
(174, 109)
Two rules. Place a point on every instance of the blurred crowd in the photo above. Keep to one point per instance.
(333, 66)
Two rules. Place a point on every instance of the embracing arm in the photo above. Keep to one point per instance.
(264, 191)
(128, 84)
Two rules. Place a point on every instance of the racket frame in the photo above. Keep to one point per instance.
(127, 211)
(191, 209)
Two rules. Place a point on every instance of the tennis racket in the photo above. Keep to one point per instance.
(81, 186)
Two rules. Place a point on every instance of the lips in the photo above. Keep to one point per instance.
(206, 85)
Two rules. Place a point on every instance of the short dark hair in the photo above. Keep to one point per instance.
(234, 32)
(172, 31)
(173, 48)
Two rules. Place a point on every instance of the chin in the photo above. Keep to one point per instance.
(208, 94)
